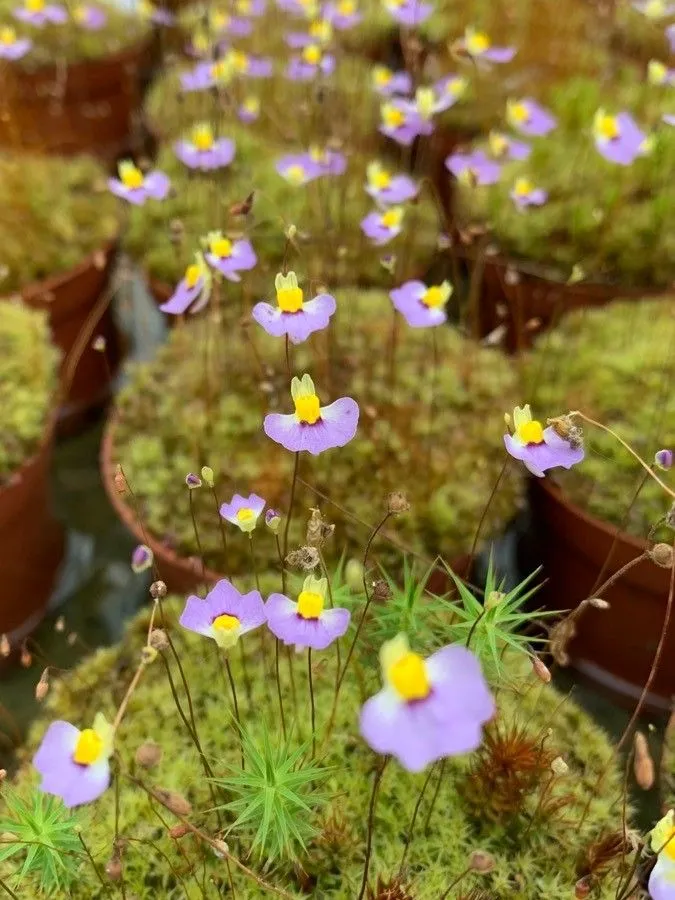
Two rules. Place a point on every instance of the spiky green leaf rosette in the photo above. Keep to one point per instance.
(55, 213)
(71, 42)
(28, 364)
(617, 366)
(616, 222)
(485, 802)
(326, 214)
(178, 413)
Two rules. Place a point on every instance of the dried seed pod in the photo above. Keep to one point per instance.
(559, 767)
(5, 646)
(42, 687)
(158, 590)
(26, 657)
(318, 530)
(113, 868)
(148, 755)
(481, 861)
(662, 555)
(582, 889)
(175, 802)
(381, 591)
(306, 558)
(397, 503)
(158, 639)
(541, 670)
(178, 831)
(643, 764)
(120, 481)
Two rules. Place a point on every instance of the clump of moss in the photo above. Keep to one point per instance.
(326, 214)
(55, 213)
(532, 859)
(616, 222)
(617, 366)
(28, 367)
(71, 42)
(178, 413)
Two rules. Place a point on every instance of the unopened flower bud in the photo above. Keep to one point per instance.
(559, 767)
(662, 555)
(541, 670)
(42, 687)
(354, 574)
(221, 849)
(397, 503)
(158, 590)
(388, 262)
(643, 764)
(148, 755)
(113, 868)
(158, 639)
(26, 657)
(178, 831)
(207, 475)
(381, 591)
(291, 232)
(175, 802)
(148, 655)
(59, 625)
(120, 481)
(5, 647)
(481, 861)
(582, 889)
(141, 558)
(273, 520)
(193, 481)
(663, 459)
(99, 344)
(493, 599)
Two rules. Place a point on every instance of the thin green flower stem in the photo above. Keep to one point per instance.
(263, 631)
(175, 872)
(294, 693)
(244, 671)
(235, 703)
(455, 882)
(290, 504)
(106, 887)
(254, 563)
(117, 825)
(221, 524)
(7, 888)
(230, 879)
(483, 516)
(379, 772)
(288, 358)
(432, 394)
(617, 533)
(311, 699)
(197, 538)
(281, 702)
(411, 827)
(441, 773)
(281, 563)
(338, 663)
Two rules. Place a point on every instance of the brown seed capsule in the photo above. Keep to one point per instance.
(3, 775)
(541, 670)
(120, 481)
(306, 558)
(71, 640)
(178, 831)
(113, 868)
(643, 764)
(148, 755)
(5, 647)
(158, 590)
(482, 862)
(559, 767)
(381, 591)
(397, 503)
(42, 687)
(582, 889)
(221, 849)
(243, 208)
(318, 530)
(662, 555)
(26, 657)
(158, 639)
(175, 802)
(60, 625)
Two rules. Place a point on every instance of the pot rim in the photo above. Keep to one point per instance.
(44, 446)
(34, 289)
(122, 56)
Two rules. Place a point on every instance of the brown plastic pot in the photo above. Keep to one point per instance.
(87, 106)
(534, 303)
(32, 544)
(613, 648)
(75, 302)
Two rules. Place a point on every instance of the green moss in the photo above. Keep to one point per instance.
(28, 365)
(530, 862)
(617, 366)
(616, 222)
(55, 212)
(71, 42)
(179, 412)
(326, 213)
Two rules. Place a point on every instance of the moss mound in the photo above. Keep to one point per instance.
(616, 365)
(73, 43)
(616, 222)
(28, 366)
(530, 862)
(177, 414)
(55, 213)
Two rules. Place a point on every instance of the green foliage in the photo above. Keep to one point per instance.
(275, 794)
(55, 212)
(28, 365)
(72, 43)
(617, 366)
(616, 222)
(42, 833)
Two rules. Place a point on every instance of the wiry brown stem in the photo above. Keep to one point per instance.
(379, 772)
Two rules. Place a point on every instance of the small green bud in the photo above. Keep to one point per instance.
(207, 475)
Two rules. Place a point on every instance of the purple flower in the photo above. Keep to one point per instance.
(422, 306)
(473, 168)
(662, 877)
(343, 14)
(313, 427)
(524, 194)
(74, 764)
(539, 448)
(304, 8)
(388, 83)
(230, 257)
(192, 291)
(663, 459)
(224, 615)
(306, 623)
(507, 148)
(297, 168)
(654, 9)
(203, 152)
(90, 17)
(141, 558)
(382, 227)
(408, 12)
(320, 32)
(223, 23)
(447, 91)
(618, 138)
(330, 162)
(429, 708)
(39, 13)
(293, 316)
(12, 47)
(528, 117)
(135, 187)
(402, 122)
(309, 64)
(478, 45)
(249, 110)
(251, 66)
(273, 520)
(243, 512)
(193, 481)
(252, 8)
(202, 77)
(658, 73)
(389, 189)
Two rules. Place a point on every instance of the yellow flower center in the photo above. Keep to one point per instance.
(220, 20)
(392, 116)
(225, 622)
(531, 432)
(382, 76)
(202, 137)
(498, 144)
(290, 299)
(346, 7)
(88, 748)
(433, 297)
(320, 30)
(219, 69)
(35, 6)
(408, 676)
(381, 179)
(244, 6)
(477, 42)
(523, 187)
(654, 9)
(192, 275)
(519, 112)
(307, 408)
(221, 247)
(295, 174)
(7, 35)
(245, 515)
(251, 104)
(310, 605)
(607, 127)
(392, 218)
(240, 61)
(312, 55)
(132, 177)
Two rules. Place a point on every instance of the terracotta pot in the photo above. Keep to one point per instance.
(32, 544)
(87, 107)
(613, 648)
(535, 303)
(160, 292)
(71, 300)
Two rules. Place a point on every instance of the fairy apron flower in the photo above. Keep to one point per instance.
(662, 878)
(306, 623)
(537, 447)
(528, 117)
(473, 168)
(229, 257)
(243, 512)
(11, 46)
(293, 315)
(203, 151)
(422, 306)
(135, 187)
(618, 138)
(224, 615)
(192, 291)
(386, 188)
(381, 227)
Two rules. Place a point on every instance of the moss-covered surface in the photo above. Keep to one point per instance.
(71, 42)
(617, 366)
(55, 213)
(326, 213)
(28, 365)
(531, 862)
(616, 222)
